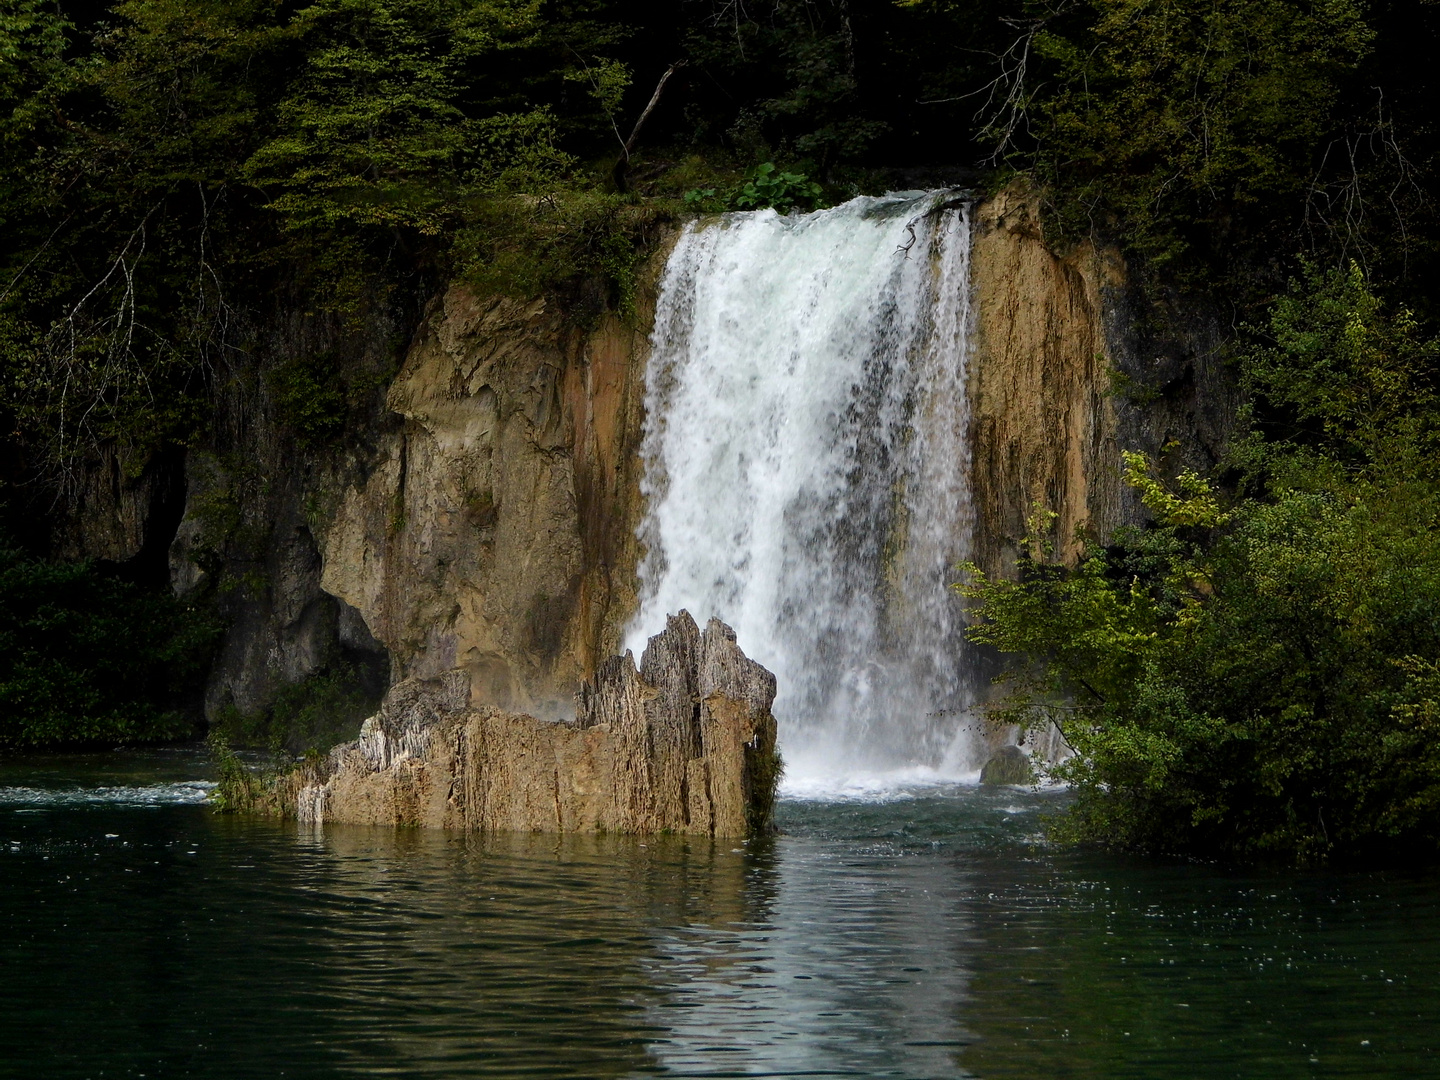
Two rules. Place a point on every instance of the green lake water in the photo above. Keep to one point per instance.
(928, 936)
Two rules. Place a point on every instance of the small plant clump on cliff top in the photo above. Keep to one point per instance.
(765, 187)
(1261, 678)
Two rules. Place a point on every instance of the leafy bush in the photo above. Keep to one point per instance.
(1262, 678)
(237, 787)
(524, 246)
(1181, 117)
(85, 658)
(764, 187)
(309, 398)
(782, 191)
(309, 716)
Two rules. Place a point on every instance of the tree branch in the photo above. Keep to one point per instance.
(628, 146)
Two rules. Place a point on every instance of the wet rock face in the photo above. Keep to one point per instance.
(494, 529)
(683, 743)
(1008, 766)
(1071, 365)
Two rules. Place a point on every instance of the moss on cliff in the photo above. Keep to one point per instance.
(312, 715)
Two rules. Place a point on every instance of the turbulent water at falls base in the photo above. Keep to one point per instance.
(807, 473)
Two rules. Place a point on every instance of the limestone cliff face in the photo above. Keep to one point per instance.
(481, 511)
(478, 510)
(495, 531)
(684, 744)
(1067, 371)
(1042, 423)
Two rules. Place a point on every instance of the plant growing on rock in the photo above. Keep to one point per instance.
(768, 186)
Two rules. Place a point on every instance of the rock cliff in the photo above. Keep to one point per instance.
(1073, 362)
(684, 744)
(495, 529)
(480, 512)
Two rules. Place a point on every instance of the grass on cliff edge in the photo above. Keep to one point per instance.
(305, 717)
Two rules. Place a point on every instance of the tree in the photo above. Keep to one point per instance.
(1259, 679)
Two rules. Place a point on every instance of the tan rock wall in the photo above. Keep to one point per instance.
(495, 532)
(643, 755)
(1043, 422)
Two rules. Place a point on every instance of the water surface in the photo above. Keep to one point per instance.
(925, 936)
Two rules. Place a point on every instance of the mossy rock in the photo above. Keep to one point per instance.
(1008, 765)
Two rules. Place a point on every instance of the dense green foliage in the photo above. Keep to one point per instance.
(1262, 678)
(85, 658)
(305, 717)
(1255, 672)
(1218, 139)
(170, 170)
(164, 165)
(1178, 117)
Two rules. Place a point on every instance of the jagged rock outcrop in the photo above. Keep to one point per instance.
(684, 743)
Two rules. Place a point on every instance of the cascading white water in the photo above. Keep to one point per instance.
(806, 468)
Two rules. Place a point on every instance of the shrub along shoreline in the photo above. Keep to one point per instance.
(1257, 671)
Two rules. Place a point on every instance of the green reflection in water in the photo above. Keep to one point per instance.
(1127, 969)
(920, 938)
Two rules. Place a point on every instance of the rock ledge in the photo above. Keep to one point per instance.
(684, 743)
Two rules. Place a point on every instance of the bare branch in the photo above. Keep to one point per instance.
(654, 100)
(1336, 203)
(628, 146)
(1004, 114)
(100, 356)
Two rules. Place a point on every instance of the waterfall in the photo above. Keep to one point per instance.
(806, 471)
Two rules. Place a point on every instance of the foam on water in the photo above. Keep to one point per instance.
(807, 473)
(879, 787)
(171, 794)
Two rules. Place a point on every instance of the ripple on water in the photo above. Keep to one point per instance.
(924, 936)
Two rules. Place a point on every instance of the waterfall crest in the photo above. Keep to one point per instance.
(807, 472)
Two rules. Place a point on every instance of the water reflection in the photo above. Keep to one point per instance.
(849, 970)
(927, 938)
(781, 958)
(513, 956)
